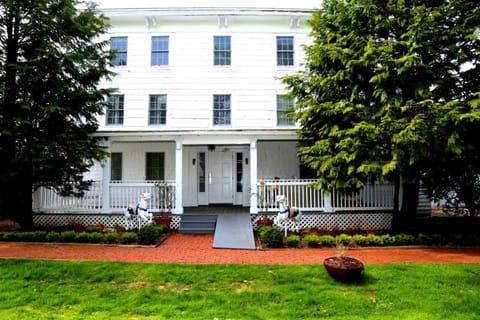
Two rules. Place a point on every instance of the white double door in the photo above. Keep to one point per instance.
(220, 177)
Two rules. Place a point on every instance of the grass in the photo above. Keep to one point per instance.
(31, 289)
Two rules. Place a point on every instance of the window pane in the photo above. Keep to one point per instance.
(159, 51)
(285, 51)
(221, 109)
(155, 166)
(119, 44)
(158, 109)
(284, 105)
(116, 166)
(201, 172)
(114, 113)
(222, 51)
(239, 176)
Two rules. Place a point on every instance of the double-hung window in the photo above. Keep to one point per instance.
(114, 114)
(157, 113)
(221, 109)
(116, 166)
(222, 50)
(284, 107)
(285, 51)
(160, 51)
(120, 45)
(155, 166)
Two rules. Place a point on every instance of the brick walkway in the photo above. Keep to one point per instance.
(182, 248)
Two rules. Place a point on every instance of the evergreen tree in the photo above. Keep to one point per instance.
(51, 61)
(389, 87)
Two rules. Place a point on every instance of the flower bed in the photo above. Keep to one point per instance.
(147, 235)
(272, 237)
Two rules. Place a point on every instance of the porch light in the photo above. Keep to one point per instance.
(246, 161)
(194, 161)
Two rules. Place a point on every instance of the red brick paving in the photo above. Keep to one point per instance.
(183, 248)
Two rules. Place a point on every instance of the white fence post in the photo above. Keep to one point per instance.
(328, 202)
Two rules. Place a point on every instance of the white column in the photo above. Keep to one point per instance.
(106, 166)
(328, 201)
(253, 176)
(178, 176)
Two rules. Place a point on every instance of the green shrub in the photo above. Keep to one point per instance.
(359, 239)
(312, 240)
(272, 237)
(26, 236)
(161, 229)
(111, 237)
(39, 235)
(293, 241)
(68, 236)
(374, 240)
(261, 229)
(128, 237)
(343, 239)
(147, 235)
(10, 236)
(388, 240)
(52, 236)
(82, 237)
(424, 239)
(94, 237)
(327, 240)
(404, 239)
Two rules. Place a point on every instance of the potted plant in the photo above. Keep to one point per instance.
(342, 267)
(166, 196)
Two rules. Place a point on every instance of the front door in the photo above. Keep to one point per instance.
(220, 180)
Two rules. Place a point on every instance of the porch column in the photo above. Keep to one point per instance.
(106, 166)
(253, 176)
(178, 176)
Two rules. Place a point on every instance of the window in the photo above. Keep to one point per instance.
(285, 51)
(115, 110)
(239, 158)
(221, 109)
(284, 105)
(116, 166)
(119, 44)
(155, 166)
(221, 51)
(160, 51)
(157, 113)
(201, 171)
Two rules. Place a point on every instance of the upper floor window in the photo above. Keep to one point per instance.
(284, 106)
(157, 113)
(222, 50)
(221, 109)
(120, 45)
(285, 51)
(160, 51)
(114, 112)
(116, 166)
(155, 166)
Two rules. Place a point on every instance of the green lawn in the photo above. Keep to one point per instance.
(98, 290)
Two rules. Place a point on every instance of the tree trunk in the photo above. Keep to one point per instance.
(404, 219)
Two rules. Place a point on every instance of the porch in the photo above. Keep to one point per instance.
(368, 209)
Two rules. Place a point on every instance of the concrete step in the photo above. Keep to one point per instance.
(198, 223)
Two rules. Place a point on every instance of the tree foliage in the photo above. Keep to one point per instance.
(51, 61)
(389, 88)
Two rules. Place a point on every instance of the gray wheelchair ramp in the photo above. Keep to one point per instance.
(234, 231)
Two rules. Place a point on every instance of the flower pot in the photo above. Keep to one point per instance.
(163, 220)
(264, 222)
(344, 269)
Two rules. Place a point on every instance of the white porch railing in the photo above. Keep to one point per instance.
(121, 193)
(301, 194)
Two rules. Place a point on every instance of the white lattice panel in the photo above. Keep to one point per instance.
(323, 221)
(341, 221)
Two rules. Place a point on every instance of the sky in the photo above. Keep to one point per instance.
(208, 3)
